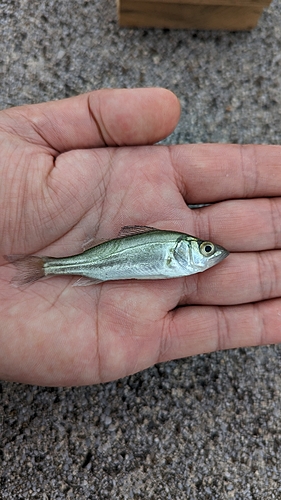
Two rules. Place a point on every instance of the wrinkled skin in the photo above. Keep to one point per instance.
(60, 185)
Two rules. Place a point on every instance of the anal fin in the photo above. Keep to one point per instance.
(87, 282)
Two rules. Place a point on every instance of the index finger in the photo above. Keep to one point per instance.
(209, 173)
(108, 117)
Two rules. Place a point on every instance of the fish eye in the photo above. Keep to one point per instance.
(207, 248)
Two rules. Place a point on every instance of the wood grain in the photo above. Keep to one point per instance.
(191, 15)
(233, 3)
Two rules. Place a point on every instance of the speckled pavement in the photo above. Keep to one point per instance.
(206, 427)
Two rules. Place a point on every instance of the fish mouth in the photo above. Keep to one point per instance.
(220, 254)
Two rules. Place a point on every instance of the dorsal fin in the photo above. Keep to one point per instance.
(132, 230)
(124, 231)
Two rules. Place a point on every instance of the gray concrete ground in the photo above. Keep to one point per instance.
(201, 428)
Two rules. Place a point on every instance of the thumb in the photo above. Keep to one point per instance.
(109, 117)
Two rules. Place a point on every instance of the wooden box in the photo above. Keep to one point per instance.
(191, 14)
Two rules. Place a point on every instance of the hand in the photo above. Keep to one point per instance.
(60, 185)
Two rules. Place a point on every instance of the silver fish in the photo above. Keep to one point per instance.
(139, 252)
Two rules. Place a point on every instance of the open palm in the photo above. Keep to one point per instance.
(60, 185)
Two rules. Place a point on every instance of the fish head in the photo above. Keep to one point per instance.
(198, 255)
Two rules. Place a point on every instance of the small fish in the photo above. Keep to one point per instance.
(139, 252)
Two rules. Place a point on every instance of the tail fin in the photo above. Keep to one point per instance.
(30, 268)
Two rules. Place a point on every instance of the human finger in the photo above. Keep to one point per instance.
(208, 173)
(108, 117)
(241, 278)
(241, 225)
(194, 330)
